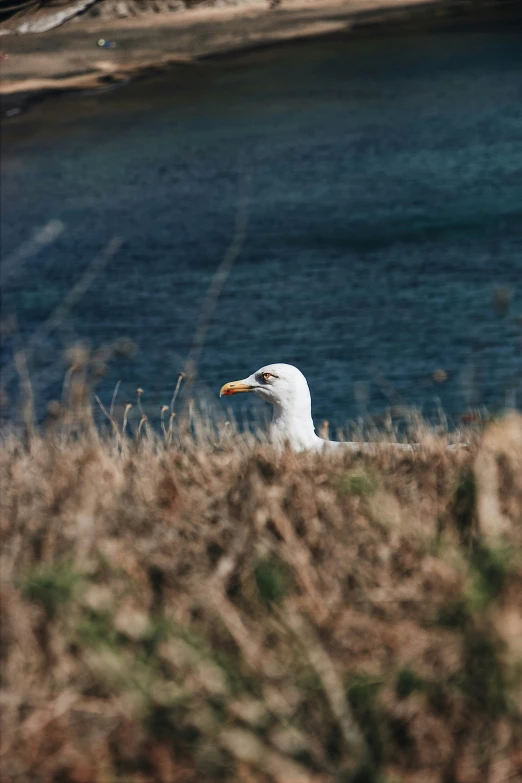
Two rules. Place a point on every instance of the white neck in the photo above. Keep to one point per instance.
(292, 424)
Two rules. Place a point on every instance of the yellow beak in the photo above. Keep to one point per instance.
(234, 387)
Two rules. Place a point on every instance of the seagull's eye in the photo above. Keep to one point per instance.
(266, 376)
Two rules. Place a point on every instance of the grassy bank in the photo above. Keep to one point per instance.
(216, 612)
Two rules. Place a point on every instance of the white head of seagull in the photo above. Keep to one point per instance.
(285, 387)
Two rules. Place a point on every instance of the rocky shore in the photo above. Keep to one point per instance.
(70, 56)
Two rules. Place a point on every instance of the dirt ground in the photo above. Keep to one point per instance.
(69, 57)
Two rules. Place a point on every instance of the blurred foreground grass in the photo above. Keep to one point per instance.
(185, 609)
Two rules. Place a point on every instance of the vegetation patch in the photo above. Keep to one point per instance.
(209, 610)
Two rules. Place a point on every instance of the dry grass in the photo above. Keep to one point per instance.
(211, 611)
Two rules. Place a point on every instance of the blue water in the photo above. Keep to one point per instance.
(383, 180)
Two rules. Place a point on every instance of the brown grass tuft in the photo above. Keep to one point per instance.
(182, 611)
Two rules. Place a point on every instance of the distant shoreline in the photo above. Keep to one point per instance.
(68, 58)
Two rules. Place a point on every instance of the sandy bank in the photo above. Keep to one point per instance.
(68, 57)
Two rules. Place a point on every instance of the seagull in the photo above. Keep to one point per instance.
(286, 388)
